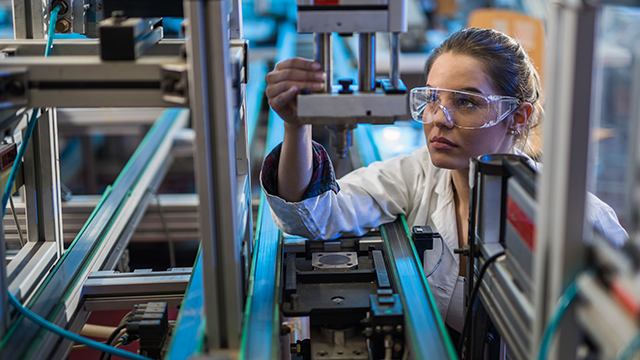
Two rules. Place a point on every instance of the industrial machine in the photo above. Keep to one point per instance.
(369, 100)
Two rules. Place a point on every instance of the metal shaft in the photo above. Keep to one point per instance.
(367, 62)
(394, 71)
(322, 54)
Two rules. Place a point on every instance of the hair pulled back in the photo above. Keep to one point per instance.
(507, 64)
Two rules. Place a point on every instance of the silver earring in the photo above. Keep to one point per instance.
(514, 132)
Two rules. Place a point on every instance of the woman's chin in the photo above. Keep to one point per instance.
(444, 161)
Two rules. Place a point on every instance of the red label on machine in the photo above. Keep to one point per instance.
(521, 223)
(326, 2)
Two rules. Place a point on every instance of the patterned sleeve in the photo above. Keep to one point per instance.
(323, 178)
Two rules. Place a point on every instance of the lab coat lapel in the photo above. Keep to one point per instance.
(443, 280)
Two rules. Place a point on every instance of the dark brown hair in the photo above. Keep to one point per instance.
(507, 64)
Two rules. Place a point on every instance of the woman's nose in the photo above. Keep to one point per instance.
(442, 117)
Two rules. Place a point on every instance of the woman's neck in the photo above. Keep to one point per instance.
(460, 178)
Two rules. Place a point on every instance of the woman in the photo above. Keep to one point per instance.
(482, 96)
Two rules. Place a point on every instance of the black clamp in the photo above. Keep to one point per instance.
(422, 237)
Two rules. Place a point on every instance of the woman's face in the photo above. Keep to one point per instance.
(452, 147)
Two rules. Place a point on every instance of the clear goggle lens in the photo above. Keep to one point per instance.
(463, 109)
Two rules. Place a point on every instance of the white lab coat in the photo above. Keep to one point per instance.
(410, 185)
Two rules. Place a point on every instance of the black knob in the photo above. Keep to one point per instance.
(304, 91)
(345, 83)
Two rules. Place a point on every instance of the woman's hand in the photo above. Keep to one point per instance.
(284, 82)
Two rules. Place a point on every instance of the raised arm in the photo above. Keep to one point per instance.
(296, 162)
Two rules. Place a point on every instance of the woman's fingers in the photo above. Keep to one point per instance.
(283, 98)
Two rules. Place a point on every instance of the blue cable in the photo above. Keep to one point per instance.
(558, 312)
(441, 257)
(630, 349)
(53, 18)
(71, 336)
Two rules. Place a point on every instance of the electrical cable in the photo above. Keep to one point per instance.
(441, 255)
(472, 298)
(556, 316)
(632, 347)
(53, 18)
(69, 335)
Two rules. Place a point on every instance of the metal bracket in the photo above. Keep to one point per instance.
(174, 83)
(13, 88)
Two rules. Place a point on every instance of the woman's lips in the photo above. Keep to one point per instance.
(442, 143)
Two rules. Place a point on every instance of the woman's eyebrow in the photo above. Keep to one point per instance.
(468, 89)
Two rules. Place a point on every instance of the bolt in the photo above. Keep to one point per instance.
(63, 26)
(15, 88)
(399, 328)
(357, 352)
(169, 85)
(378, 329)
(118, 16)
(397, 347)
(295, 348)
(322, 353)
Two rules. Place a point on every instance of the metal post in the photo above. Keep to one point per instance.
(394, 69)
(235, 20)
(42, 181)
(367, 62)
(29, 19)
(563, 190)
(211, 110)
(322, 53)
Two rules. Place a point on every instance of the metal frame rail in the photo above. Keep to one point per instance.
(110, 221)
(261, 332)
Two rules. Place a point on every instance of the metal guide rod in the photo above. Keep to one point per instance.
(367, 62)
(394, 69)
(323, 54)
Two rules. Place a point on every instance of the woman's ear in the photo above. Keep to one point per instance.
(521, 117)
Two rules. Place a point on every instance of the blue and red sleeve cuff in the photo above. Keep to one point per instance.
(323, 178)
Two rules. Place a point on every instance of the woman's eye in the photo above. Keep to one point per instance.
(466, 103)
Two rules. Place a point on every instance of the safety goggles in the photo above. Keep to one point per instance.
(464, 109)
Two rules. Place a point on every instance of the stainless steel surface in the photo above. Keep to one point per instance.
(30, 266)
(28, 19)
(510, 308)
(127, 302)
(181, 215)
(366, 62)
(214, 120)
(334, 260)
(374, 107)
(64, 284)
(322, 53)
(341, 138)
(42, 181)
(81, 47)
(603, 319)
(563, 184)
(394, 73)
(312, 21)
(111, 283)
(81, 81)
(15, 88)
(338, 344)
